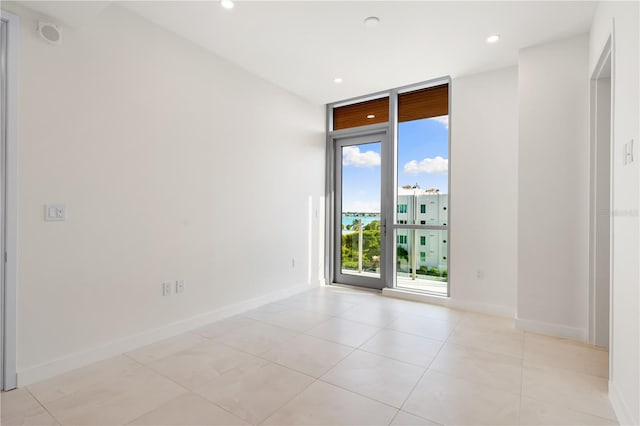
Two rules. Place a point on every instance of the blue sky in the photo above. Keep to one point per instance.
(422, 159)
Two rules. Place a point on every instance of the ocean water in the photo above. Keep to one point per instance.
(348, 220)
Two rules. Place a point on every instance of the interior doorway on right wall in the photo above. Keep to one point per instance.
(600, 200)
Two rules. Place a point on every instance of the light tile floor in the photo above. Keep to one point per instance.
(333, 356)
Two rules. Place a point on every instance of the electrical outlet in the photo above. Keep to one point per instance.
(480, 274)
(166, 288)
(180, 286)
(55, 212)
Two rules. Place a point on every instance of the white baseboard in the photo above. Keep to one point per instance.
(129, 343)
(497, 310)
(557, 330)
(483, 308)
(623, 413)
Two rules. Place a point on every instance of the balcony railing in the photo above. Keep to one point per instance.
(421, 258)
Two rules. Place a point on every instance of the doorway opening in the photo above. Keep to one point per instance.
(600, 222)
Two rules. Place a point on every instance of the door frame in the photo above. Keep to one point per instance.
(10, 208)
(389, 199)
(359, 136)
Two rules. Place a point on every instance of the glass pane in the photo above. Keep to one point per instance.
(423, 171)
(423, 199)
(421, 260)
(361, 181)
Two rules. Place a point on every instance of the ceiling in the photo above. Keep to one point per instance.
(303, 45)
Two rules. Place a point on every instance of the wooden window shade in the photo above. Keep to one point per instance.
(355, 115)
(423, 103)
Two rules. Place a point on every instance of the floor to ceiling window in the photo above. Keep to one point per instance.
(422, 164)
(388, 187)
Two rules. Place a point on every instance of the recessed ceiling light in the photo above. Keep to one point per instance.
(371, 116)
(372, 21)
(493, 38)
(227, 4)
(337, 80)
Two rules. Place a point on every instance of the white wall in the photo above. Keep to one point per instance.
(484, 161)
(624, 388)
(173, 164)
(553, 181)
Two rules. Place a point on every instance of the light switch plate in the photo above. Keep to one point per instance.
(628, 152)
(55, 212)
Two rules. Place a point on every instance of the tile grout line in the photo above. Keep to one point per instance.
(352, 349)
(394, 417)
(164, 402)
(43, 406)
(357, 393)
(286, 402)
(475, 348)
(551, 369)
(393, 359)
(261, 357)
(110, 379)
(564, 407)
(422, 376)
(333, 341)
(524, 342)
(445, 342)
(188, 391)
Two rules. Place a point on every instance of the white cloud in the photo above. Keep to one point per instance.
(444, 120)
(362, 206)
(437, 165)
(351, 156)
